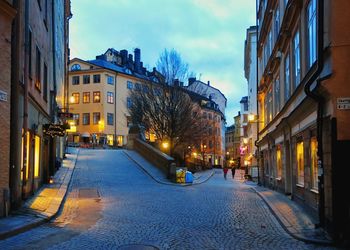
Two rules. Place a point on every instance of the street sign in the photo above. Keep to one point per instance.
(3, 96)
(343, 103)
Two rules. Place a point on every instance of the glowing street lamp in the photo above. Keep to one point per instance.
(165, 145)
(251, 117)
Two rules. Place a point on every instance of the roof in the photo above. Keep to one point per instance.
(244, 99)
(210, 86)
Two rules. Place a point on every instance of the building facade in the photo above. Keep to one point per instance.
(215, 95)
(303, 85)
(99, 93)
(250, 72)
(7, 14)
(38, 49)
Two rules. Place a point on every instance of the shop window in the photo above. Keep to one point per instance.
(27, 153)
(314, 167)
(120, 140)
(279, 162)
(300, 163)
(37, 156)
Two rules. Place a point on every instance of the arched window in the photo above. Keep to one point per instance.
(75, 67)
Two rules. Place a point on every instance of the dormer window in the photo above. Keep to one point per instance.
(75, 67)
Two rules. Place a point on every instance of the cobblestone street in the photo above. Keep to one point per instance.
(113, 203)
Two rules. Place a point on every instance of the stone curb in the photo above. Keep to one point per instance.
(163, 182)
(286, 228)
(45, 218)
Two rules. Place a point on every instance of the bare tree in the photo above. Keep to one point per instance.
(168, 112)
(171, 65)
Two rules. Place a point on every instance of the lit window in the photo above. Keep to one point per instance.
(314, 166)
(75, 99)
(97, 96)
(86, 97)
(37, 156)
(312, 40)
(76, 119)
(110, 97)
(38, 69)
(300, 162)
(279, 161)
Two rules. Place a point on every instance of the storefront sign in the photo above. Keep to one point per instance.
(54, 130)
(343, 103)
(3, 96)
(65, 115)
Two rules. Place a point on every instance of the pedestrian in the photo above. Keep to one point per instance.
(233, 172)
(225, 172)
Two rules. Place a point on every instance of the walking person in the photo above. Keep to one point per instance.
(233, 169)
(225, 172)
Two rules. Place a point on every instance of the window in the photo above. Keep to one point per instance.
(36, 156)
(129, 85)
(277, 95)
(38, 69)
(75, 80)
(109, 119)
(300, 162)
(277, 21)
(75, 67)
(205, 115)
(279, 161)
(287, 79)
(110, 80)
(86, 79)
(86, 97)
(128, 102)
(210, 131)
(268, 106)
(296, 48)
(45, 83)
(270, 46)
(110, 97)
(145, 88)
(96, 117)
(138, 86)
(86, 118)
(314, 165)
(210, 116)
(97, 78)
(76, 119)
(311, 24)
(97, 96)
(75, 99)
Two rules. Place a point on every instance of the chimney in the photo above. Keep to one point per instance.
(191, 80)
(124, 54)
(208, 83)
(137, 55)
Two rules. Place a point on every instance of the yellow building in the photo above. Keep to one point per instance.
(99, 97)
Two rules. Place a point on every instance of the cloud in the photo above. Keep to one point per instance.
(209, 34)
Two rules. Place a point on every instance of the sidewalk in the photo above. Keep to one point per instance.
(44, 205)
(293, 218)
(157, 175)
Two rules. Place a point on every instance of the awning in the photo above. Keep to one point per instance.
(85, 134)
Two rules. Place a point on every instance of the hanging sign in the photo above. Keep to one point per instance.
(54, 129)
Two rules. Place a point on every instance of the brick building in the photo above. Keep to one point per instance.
(33, 58)
(7, 13)
(303, 91)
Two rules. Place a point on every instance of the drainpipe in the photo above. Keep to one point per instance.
(257, 89)
(25, 99)
(320, 101)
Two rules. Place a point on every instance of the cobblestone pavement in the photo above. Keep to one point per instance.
(112, 203)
